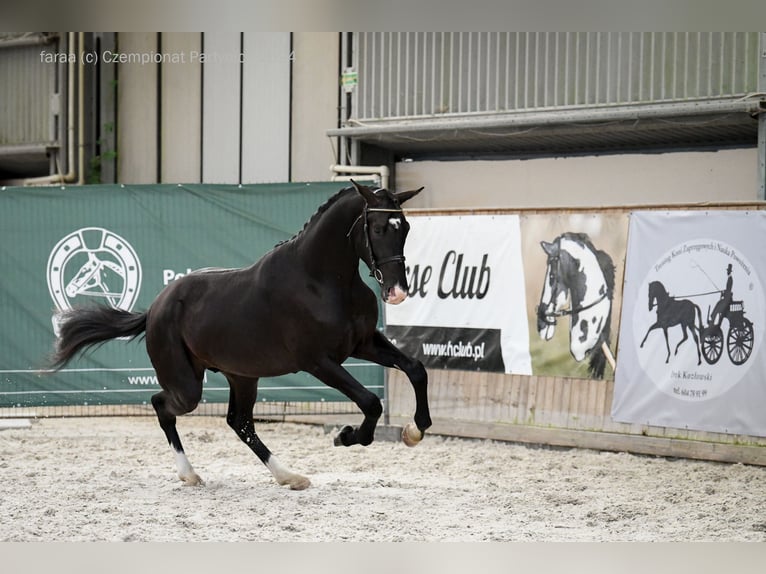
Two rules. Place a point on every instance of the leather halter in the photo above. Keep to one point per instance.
(550, 318)
(375, 264)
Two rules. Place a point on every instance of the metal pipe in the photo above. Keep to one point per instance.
(381, 171)
(761, 176)
(81, 112)
(634, 112)
(71, 174)
(28, 40)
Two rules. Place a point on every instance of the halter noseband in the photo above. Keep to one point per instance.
(375, 265)
(550, 318)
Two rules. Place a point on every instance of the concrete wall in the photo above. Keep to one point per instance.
(225, 119)
(221, 108)
(314, 104)
(628, 179)
(181, 93)
(137, 109)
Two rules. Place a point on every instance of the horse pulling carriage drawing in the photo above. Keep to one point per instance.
(708, 338)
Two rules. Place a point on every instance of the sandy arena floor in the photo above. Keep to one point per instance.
(113, 479)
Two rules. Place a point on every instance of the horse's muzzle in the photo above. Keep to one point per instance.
(545, 322)
(394, 295)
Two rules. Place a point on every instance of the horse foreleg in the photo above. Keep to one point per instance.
(242, 397)
(652, 328)
(335, 376)
(383, 352)
(667, 344)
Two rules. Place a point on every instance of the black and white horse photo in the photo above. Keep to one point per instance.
(579, 284)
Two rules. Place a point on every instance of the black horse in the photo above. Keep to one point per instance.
(671, 312)
(301, 307)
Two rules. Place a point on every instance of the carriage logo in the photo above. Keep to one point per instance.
(93, 262)
(696, 331)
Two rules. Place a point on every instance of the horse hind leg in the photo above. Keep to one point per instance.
(181, 383)
(242, 395)
(667, 344)
(697, 345)
(684, 338)
(168, 407)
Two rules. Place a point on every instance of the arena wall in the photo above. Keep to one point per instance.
(558, 411)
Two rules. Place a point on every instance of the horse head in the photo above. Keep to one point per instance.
(380, 244)
(656, 290)
(582, 275)
(554, 294)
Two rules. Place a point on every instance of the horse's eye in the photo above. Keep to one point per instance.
(377, 229)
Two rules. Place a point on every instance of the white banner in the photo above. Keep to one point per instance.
(467, 297)
(693, 314)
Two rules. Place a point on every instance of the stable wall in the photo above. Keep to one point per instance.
(584, 181)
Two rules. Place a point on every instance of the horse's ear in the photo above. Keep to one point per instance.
(403, 196)
(365, 192)
(549, 248)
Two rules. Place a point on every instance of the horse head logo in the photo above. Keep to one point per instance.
(93, 262)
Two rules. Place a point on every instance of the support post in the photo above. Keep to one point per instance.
(762, 120)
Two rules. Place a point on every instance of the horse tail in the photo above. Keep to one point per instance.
(84, 327)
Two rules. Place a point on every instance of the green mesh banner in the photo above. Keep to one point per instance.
(61, 247)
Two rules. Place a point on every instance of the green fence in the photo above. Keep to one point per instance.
(122, 244)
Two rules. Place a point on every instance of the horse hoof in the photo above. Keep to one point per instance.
(344, 432)
(411, 434)
(299, 482)
(192, 479)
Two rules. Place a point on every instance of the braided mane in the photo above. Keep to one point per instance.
(327, 205)
(317, 214)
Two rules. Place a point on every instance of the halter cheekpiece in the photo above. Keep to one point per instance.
(375, 264)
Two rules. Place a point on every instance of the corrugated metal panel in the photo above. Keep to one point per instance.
(27, 86)
(416, 74)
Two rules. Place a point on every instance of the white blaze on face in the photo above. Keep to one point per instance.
(395, 294)
(551, 306)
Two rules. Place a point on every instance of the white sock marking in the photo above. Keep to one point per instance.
(185, 470)
(284, 476)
